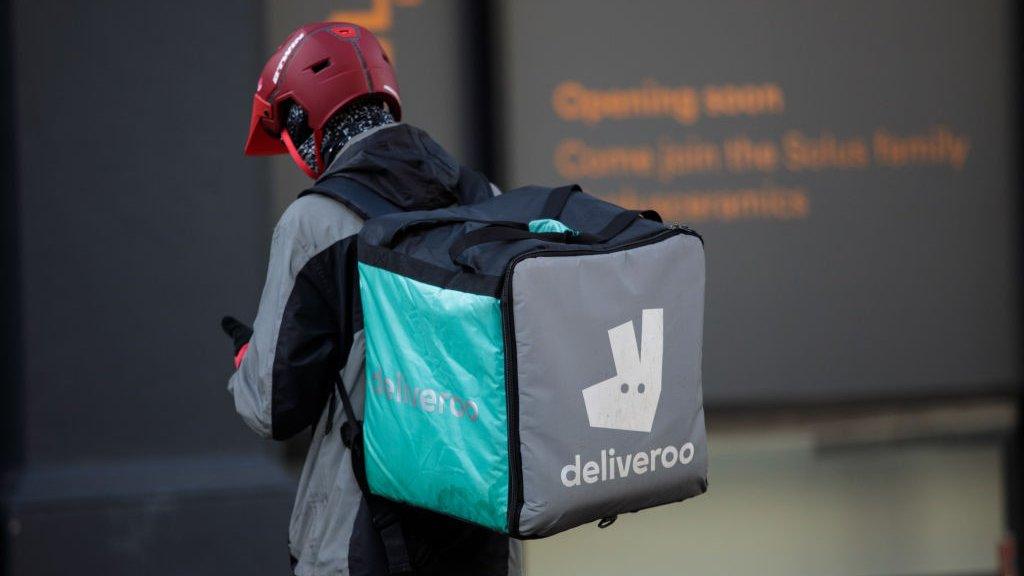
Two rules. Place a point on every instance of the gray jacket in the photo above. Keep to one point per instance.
(308, 327)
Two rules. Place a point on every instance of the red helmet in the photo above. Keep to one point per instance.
(321, 67)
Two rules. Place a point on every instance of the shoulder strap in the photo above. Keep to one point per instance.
(383, 513)
(472, 187)
(366, 204)
(355, 196)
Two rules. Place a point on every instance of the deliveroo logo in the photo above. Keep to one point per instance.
(629, 400)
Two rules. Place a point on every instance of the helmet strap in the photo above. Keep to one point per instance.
(297, 158)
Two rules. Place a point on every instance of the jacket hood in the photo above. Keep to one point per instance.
(403, 164)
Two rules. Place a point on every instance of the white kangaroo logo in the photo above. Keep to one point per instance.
(629, 400)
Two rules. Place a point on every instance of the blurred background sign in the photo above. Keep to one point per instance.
(851, 165)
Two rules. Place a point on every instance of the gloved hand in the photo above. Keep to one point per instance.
(240, 334)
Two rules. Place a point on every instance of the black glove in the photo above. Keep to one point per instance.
(240, 333)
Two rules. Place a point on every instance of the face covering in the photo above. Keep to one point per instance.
(350, 121)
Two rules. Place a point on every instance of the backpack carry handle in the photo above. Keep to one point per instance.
(404, 230)
(504, 232)
(553, 207)
(560, 196)
(557, 199)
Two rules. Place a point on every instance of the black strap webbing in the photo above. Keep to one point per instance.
(394, 540)
(617, 224)
(472, 187)
(407, 228)
(383, 512)
(346, 402)
(514, 231)
(354, 195)
(501, 233)
(367, 204)
(651, 215)
(557, 199)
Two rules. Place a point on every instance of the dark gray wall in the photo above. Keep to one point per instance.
(141, 224)
(884, 281)
(10, 292)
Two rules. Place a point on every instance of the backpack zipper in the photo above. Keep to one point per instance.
(515, 490)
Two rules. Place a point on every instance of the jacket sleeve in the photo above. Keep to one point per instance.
(301, 334)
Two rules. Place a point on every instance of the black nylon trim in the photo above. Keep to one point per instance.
(341, 200)
(392, 261)
(353, 195)
(314, 339)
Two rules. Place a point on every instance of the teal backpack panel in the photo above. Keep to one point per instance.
(435, 432)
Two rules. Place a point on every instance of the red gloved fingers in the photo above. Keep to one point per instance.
(241, 355)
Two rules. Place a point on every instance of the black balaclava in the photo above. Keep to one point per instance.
(347, 123)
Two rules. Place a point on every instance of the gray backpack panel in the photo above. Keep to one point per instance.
(596, 337)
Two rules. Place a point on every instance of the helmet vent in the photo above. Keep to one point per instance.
(319, 66)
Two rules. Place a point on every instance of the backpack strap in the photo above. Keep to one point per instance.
(367, 204)
(472, 187)
(384, 515)
(383, 512)
(355, 196)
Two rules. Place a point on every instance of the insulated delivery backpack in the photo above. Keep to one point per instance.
(533, 361)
